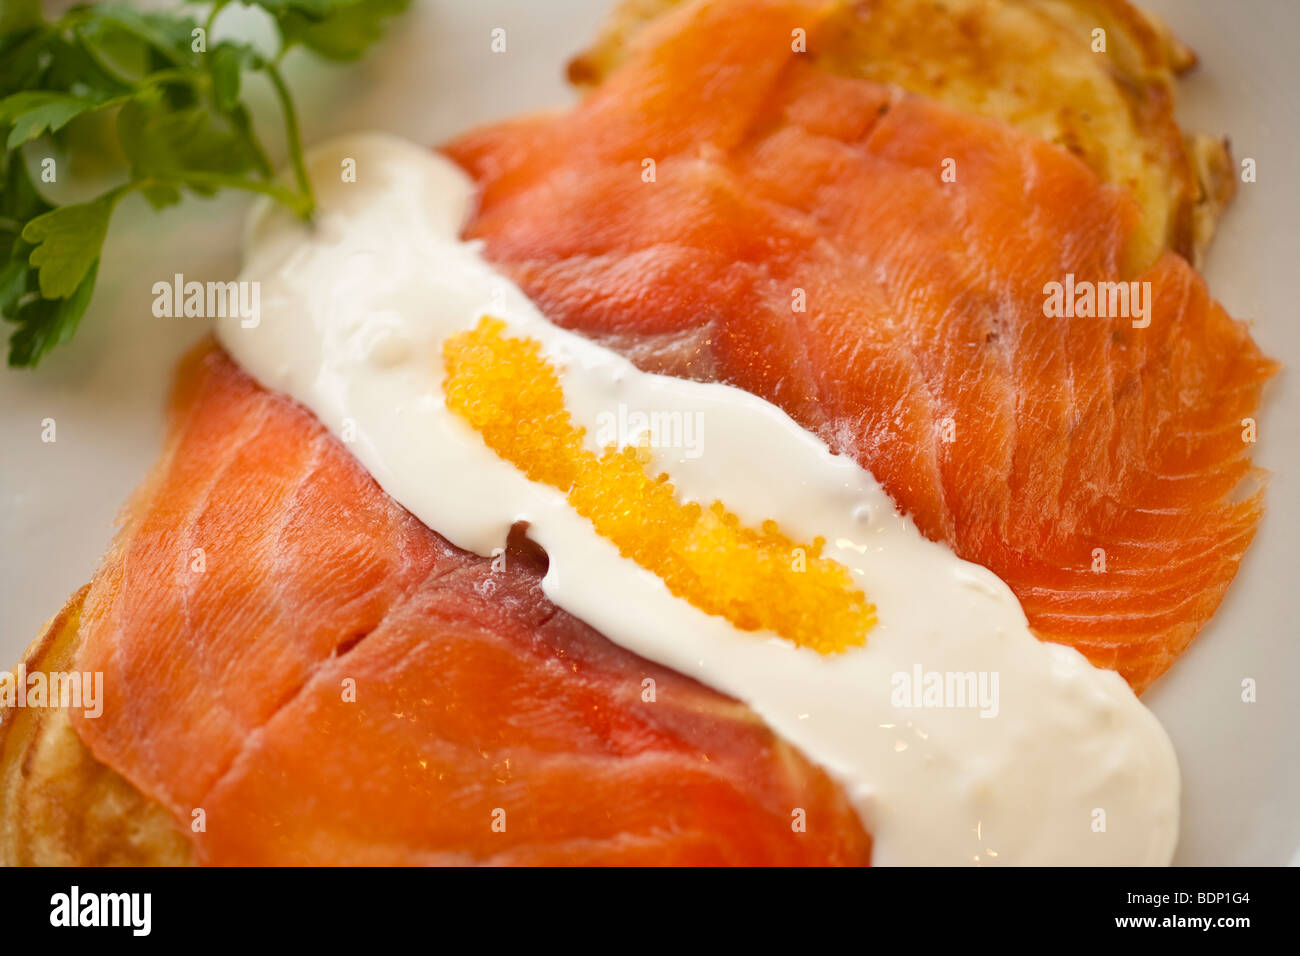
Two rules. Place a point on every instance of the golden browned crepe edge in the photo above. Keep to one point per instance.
(1027, 63)
(59, 806)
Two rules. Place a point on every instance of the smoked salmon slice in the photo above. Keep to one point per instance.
(878, 265)
(303, 673)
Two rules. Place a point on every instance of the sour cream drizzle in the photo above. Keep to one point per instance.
(1061, 765)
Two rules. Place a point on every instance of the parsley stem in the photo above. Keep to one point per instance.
(101, 62)
(300, 204)
(163, 77)
(132, 25)
(294, 138)
(212, 16)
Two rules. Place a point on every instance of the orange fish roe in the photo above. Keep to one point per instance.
(756, 579)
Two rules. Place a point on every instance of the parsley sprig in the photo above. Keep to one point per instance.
(172, 97)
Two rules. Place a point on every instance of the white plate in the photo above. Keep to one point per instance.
(435, 76)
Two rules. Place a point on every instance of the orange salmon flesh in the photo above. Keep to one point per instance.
(339, 684)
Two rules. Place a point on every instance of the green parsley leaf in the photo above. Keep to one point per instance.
(173, 104)
(228, 61)
(34, 112)
(18, 16)
(44, 323)
(336, 29)
(168, 144)
(19, 202)
(67, 241)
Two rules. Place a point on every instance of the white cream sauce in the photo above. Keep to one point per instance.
(1058, 763)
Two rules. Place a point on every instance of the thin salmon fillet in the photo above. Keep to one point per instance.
(226, 674)
(924, 307)
(1096, 467)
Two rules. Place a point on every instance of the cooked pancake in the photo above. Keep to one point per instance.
(59, 806)
(1029, 63)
